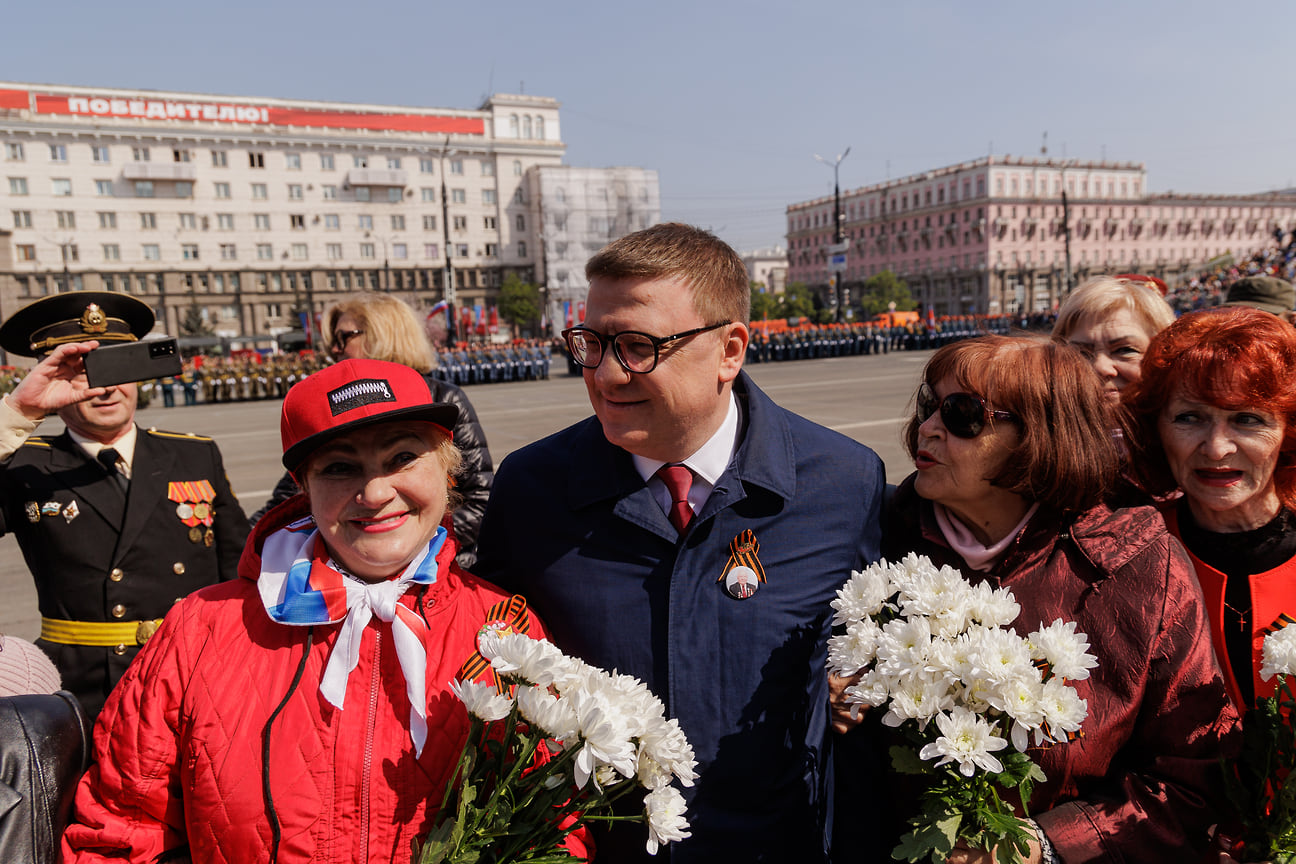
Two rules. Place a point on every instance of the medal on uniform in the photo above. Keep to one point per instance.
(51, 508)
(33, 511)
(743, 573)
(209, 537)
(194, 506)
(71, 511)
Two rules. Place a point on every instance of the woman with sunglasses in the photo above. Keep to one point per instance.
(1015, 460)
(378, 327)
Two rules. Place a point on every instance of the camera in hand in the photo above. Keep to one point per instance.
(132, 361)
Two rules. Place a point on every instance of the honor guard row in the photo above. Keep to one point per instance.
(116, 522)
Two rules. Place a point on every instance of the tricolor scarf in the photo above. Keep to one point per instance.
(301, 585)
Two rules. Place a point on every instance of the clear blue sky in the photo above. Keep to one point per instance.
(730, 101)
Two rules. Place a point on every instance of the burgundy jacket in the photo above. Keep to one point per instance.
(1143, 782)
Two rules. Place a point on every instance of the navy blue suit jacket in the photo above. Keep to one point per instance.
(573, 527)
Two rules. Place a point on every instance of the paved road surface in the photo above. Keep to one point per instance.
(864, 398)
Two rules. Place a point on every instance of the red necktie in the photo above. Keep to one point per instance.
(678, 479)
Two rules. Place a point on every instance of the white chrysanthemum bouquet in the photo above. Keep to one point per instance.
(554, 753)
(932, 650)
(1258, 779)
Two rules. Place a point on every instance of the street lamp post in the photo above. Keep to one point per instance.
(837, 226)
(448, 276)
(1066, 235)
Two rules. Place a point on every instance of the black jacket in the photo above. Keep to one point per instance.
(473, 482)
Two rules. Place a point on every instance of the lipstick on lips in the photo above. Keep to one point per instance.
(923, 459)
(381, 525)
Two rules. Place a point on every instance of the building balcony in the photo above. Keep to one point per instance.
(159, 171)
(376, 177)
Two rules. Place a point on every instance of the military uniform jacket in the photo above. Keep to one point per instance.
(572, 525)
(93, 562)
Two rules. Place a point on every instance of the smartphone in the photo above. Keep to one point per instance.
(132, 361)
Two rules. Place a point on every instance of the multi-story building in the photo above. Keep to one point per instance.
(990, 236)
(582, 210)
(768, 268)
(241, 214)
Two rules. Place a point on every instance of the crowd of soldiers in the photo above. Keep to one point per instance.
(522, 360)
(841, 340)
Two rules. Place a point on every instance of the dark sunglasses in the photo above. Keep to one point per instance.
(342, 337)
(962, 414)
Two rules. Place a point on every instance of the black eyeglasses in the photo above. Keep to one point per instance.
(342, 337)
(962, 414)
(636, 352)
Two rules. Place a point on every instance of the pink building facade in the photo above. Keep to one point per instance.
(988, 236)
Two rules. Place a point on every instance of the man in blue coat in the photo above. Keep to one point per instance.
(626, 529)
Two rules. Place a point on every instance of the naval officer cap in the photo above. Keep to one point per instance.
(77, 316)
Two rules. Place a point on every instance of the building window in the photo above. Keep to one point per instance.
(458, 196)
(326, 161)
(360, 161)
(140, 154)
(292, 161)
(261, 221)
(428, 195)
(513, 125)
(220, 159)
(519, 198)
(393, 163)
(62, 188)
(295, 191)
(520, 222)
(400, 250)
(152, 252)
(526, 126)
(427, 166)
(14, 152)
(299, 251)
(460, 223)
(522, 249)
(17, 185)
(188, 221)
(58, 152)
(393, 194)
(492, 249)
(256, 160)
(330, 192)
(108, 220)
(143, 188)
(297, 221)
(429, 223)
(104, 188)
(26, 252)
(228, 252)
(222, 190)
(98, 154)
(456, 166)
(148, 221)
(365, 222)
(265, 252)
(66, 218)
(366, 250)
(259, 190)
(111, 252)
(332, 222)
(539, 128)
(183, 189)
(225, 221)
(362, 193)
(273, 310)
(461, 250)
(189, 251)
(398, 222)
(487, 168)
(22, 219)
(490, 223)
(431, 250)
(488, 196)
(517, 167)
(334, 251)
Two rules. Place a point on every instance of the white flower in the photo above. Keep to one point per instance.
(967, 739)
(1000, 656)
(871, 689)
(663, 744)
(1020, 699)
(1065, 650)
(918, 697)
(863, 595)
(904, 645)
(482, 700)
(1064, 710)
(1279, 653)
(664, 808)
(552, 715)
(941, 595)
(993, 607)
(853, 650)
(602, 739)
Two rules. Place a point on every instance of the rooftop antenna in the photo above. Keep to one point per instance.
(1044, 146)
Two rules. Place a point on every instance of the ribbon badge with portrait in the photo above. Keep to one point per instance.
(743, 573)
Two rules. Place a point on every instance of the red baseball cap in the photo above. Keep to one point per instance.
(353, 394)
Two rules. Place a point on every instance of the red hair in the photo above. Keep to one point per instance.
(1235, 358)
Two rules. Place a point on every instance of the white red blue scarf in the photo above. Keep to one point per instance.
(301, 585)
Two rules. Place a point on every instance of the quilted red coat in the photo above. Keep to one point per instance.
(178, 748)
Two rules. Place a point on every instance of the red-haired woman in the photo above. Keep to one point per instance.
(1015, 458)
(1214, 416)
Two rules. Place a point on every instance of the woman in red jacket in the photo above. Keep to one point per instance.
(302, 712)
